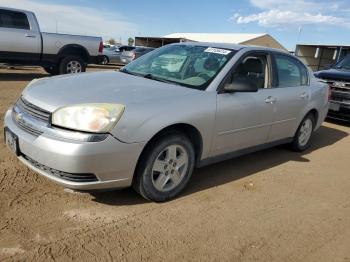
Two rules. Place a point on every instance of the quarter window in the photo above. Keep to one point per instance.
(290, 72)
(13, 19)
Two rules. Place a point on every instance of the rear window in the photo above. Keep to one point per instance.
(126, 48)
(290, 72)
(140, 49)
(13, 19)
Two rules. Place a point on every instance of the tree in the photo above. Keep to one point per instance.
(111, 41)
(131, 41)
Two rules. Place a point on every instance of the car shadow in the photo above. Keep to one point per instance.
(23, 76)
(338, 122)
(233, 169)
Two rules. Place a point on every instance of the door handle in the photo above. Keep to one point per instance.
(29, 35)
(270, 100)
(304, 95)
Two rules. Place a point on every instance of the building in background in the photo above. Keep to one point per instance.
(242, 39)
(321, 56)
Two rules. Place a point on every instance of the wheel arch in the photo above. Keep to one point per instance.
(190, 131)
(74, 49)
(315, 114)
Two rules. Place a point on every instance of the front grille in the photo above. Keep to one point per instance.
(33, 110)
(29, 129)
(76, 177)
(340, 90)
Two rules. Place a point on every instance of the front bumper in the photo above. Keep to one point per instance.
(342, 111)
(111, 161)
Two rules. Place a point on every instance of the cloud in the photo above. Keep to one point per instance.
(275, 18)
(74, 19)
(281, 13)
(296, 5)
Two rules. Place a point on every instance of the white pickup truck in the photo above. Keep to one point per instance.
(22, 42)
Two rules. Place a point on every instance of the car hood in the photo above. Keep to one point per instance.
(99, 87)
(334, 74)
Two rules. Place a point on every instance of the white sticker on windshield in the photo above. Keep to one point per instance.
(217, 51)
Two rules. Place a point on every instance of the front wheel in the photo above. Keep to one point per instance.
(302, 138)
(165, 167)
(72, 65)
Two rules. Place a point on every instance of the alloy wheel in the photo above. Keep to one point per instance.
(170, 167)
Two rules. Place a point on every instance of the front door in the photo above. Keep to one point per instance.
(243, 120)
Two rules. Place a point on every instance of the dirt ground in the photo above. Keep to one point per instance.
(274, 205)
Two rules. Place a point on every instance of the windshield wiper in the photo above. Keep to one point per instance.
(152, 77)
(129, 72)
(148, 76)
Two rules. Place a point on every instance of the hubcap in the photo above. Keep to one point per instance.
(73, 67)
(170, 168)
(305, 132)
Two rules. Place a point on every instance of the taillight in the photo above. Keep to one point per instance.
(100, 49)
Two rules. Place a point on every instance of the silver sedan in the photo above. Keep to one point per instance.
(178, 107)
(113, 55)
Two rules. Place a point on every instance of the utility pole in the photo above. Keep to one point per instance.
(299, 34)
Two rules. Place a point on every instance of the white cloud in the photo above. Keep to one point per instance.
(282, 13)
(74, 19)
(295, 5)
(275, 18)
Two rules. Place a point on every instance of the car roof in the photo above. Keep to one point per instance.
(231, 46)
(15, 10)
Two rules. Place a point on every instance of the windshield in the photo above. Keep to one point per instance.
(187, 65)
(345, 63)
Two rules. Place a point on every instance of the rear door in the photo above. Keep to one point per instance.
(291, 95)
(20, 40)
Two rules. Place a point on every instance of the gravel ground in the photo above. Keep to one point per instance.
(274, 205)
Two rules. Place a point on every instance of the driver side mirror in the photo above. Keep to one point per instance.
(240, 86)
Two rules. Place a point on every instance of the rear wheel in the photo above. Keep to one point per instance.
(105, 60)
(72, 65)
(302, 138)
(165, 167)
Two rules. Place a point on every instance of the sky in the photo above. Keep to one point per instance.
(289, 21)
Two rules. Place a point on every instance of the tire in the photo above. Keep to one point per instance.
(302, 137)
(52, 70)
(176, 168)
(105, 60)
(71, 65)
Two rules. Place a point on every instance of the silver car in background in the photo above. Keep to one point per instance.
(112, 55)
(129, 56)
(179, 107)
(23, 43)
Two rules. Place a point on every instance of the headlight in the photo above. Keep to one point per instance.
(96, 118)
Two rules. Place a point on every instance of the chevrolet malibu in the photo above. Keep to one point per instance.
(149, 125)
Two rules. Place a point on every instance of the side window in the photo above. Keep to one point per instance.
(290, 72)
(13, 19)
(254, 69)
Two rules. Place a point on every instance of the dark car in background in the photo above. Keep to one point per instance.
(128, 56)
(338, 78)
